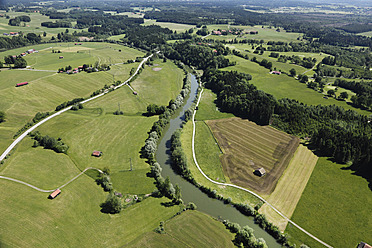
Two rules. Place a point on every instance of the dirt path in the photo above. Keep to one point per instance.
(241, 188)
(49, 190)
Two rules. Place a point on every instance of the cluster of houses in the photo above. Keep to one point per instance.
(73, 71)
(29, 51)
(11, 34)
(236, 32)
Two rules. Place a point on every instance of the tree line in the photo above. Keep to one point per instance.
(341, 134)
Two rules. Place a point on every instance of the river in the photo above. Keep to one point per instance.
(191, 193)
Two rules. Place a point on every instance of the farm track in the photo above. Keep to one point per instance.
(23, 135)
(241, 188)
(49, 190)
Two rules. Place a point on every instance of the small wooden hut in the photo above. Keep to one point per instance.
(260, 172)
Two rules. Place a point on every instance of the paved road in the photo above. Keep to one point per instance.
(49, 190)
(22, 136)
(241, 188)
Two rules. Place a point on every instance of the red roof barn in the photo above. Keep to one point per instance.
(54, 194)
(21, 84)
(97, 153)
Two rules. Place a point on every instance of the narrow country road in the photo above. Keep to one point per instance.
(241, 188)
(22, 136)
(49, 190)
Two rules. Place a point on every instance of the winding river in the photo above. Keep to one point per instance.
(189, 192)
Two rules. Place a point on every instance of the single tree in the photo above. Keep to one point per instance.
(292, 72)
(112, 205)
(20, 63)
(343, 95)
(331, 93)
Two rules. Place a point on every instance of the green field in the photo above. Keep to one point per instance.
(207, 109)
(47, 89)
(283, 86)
(335, 207)
(264, 33)
(190, 229)
(172, 26)
(30, 27)
(166, 81)
(76, 212)
(73, 219)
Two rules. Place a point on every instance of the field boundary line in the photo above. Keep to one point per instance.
(23, 135)
(241, 188)
(51, 190)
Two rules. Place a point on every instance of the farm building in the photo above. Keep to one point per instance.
(260, 172)
(21, 84)
(61, 57)
(364, 245)
(253, 32)
(97, 153)
(54, 194)
(135, 93)
(276, 72)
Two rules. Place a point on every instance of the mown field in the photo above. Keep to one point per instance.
(73, 219)
(335, 207)
(264, 33)
(172, 26)
(207, 109)
(46, 90)
(247, 147)
(76, 212)
(283, 86)
(207, 139)
(190, 229)
(30, 27)
(290, 186)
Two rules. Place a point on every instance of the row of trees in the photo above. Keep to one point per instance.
(49, 142)
(17, 20)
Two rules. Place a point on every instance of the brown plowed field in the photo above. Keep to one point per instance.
(247, 146)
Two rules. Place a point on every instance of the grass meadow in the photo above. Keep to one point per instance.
(46, 90)
(180, 28)
(76, 212)
(335, 207)
(207, 109)
(283, 86)
(189, 229)
(264, 33)
(30, 27)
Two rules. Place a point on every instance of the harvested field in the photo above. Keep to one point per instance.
(247, 147)
(289, 189)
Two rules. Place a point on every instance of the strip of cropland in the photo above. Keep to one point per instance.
(248, 147)
(289, 189)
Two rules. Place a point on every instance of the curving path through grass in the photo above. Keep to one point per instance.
(49, 190)
(22, 136)
(241, 188)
